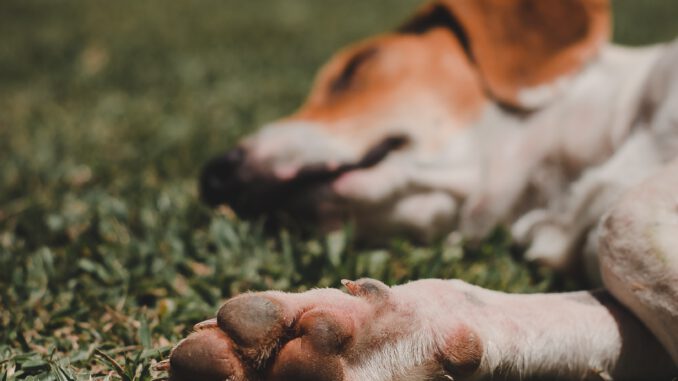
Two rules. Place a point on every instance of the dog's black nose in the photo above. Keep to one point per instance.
(220, 181)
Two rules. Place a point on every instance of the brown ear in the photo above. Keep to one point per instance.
(525, 49)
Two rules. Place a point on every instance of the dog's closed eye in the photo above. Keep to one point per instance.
(346, 77)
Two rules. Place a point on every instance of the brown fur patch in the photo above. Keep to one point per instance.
(518, 44)
(344, 80)
(434, 16)
(406, 66)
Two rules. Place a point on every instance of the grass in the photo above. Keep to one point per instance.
(108, 109)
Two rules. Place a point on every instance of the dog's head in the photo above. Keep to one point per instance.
(384, 139)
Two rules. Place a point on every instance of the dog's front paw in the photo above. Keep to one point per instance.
(373, 333)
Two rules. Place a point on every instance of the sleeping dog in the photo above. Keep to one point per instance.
(472, 114)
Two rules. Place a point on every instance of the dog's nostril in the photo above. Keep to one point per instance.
(235, 156)
(219, 178)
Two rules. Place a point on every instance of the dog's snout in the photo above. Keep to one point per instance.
(220, 180)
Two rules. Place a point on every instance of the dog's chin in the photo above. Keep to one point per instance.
(311, 209)
(303, 196)
(315, 209)
(363, 200)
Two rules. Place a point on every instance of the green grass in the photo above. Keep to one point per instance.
(108, 109)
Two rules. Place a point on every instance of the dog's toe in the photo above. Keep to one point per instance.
(255, 323)
(302, 362)
(206, 355)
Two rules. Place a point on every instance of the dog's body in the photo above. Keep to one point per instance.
(427, 130)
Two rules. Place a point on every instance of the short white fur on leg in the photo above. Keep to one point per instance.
(403, 361)
(556, 233)
(555, 336)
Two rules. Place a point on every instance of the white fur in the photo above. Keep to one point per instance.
(395, 362)
(287, 146)
(538, 96)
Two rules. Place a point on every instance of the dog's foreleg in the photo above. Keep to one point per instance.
(424, 330)
(555, 234)
(581, 335)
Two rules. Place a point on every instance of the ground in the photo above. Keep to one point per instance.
(108, 109)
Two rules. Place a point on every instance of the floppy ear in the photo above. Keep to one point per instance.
(526, 49)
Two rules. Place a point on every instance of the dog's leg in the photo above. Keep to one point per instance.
(512, 156)
(555, 235)
(425, 330)
(639, 254)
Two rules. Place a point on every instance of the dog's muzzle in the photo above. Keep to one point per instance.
(219, 180)
(230, 179)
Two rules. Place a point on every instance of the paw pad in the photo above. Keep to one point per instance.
(206, 355)
(255, 323)
(463, 353)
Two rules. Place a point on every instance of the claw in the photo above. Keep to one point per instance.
(211, 323)
(351, 287)
(369, 288)
(162, 366)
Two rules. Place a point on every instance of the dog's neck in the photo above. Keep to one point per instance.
(551, 147)
(597, 109)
